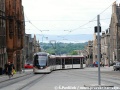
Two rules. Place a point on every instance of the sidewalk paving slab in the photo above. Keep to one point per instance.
(5, 77)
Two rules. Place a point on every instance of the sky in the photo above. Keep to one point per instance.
(63, 18)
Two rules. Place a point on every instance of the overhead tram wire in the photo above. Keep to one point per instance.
(106, 9)
(59, 20)
(79, 26)
(92, 20)
(35, 27)
(33, 24)
(84, 25)
(67, 20)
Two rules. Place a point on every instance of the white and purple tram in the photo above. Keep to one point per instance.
(45, 63)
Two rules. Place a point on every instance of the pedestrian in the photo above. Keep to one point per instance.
(9, 70)
(94, 64)
(13, 68)
(5, 68)
(12, 65)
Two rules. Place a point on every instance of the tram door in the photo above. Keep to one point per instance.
(63, 63)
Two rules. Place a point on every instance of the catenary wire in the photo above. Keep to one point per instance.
(92, 20)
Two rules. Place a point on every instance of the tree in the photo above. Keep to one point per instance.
(64, 48)
(74, 53)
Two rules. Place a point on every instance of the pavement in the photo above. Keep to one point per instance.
(5, 77)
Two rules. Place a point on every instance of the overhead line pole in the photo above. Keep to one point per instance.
(99, 54)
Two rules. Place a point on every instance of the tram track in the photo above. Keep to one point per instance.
(15, 77)
(21, 83)
(14, 80)
(33, 82)
(91, 76)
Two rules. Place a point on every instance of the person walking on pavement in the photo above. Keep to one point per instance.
(9, 70)
(13, 68)
(5, 69)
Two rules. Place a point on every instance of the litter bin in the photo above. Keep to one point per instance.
(1, 71)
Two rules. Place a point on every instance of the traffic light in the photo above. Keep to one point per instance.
(95, 28)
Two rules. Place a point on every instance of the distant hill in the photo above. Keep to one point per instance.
(62, 48)
(79, 38)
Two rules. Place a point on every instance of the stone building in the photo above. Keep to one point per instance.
(15, 32)
(27, 47)
(95, 51)
(109, 40)
(89, 50)
(105, 47)
(3, 53)
(36, 45)
(38, 49)
(115, 33)
(108, 61)
(31, 46)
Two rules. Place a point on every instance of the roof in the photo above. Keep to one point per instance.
(69, 56)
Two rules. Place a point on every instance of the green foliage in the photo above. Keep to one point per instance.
(63, 48)
(74, 53)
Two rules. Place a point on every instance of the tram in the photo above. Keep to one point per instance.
(70, 62)
(45, 63)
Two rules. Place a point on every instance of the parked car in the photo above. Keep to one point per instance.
(28, 66)
(116, 66)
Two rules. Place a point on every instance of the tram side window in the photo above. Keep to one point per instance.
(68, 61)
(58, 62)
(76, 61)
(50, 61)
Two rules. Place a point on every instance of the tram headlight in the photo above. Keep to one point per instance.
(41, 67)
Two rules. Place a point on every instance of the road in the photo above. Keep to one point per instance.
(72, 79)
